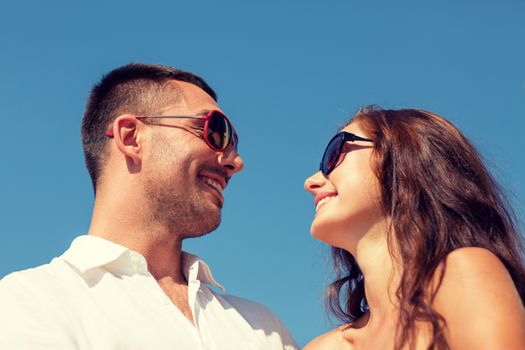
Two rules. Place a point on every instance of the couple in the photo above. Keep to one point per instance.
(426, 253)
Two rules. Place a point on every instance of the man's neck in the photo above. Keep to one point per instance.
(132, 229)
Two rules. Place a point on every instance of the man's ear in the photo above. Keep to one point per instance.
(125, 133)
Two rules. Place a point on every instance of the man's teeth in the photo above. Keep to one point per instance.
(322, 201)
(213, 184)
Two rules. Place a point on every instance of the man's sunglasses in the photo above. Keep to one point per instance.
(334, 149)
(219, 133)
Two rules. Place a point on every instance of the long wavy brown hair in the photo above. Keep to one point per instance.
(439, 197)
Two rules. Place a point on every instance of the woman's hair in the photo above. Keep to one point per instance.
(439, 197)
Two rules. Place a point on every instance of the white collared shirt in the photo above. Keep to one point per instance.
(100, 295)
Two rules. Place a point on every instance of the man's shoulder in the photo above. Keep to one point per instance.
(16, 278)
(32, 307)
(262, 319)
(247, 305)
(34, 281)
(254, 312)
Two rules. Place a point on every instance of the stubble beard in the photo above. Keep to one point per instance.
(178, 207)
(184, 216)
(176, 200)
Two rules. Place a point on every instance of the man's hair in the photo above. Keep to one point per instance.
(135, 88)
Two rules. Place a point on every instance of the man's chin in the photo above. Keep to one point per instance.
(203, 227)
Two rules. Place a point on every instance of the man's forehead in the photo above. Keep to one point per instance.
(192, 99)
(191, 91)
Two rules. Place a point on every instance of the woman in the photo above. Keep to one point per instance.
(426, 252)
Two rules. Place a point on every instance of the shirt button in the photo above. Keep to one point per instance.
(138, 262)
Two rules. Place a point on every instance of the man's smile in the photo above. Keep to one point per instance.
(213, 183)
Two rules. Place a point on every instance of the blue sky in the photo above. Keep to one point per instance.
(288, 73)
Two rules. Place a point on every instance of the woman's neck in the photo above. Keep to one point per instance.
(381, 276)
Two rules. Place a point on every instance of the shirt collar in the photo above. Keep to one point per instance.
(89, 252)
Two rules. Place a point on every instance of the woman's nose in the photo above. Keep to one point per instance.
(314, 182)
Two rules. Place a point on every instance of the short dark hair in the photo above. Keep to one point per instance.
(135, 88)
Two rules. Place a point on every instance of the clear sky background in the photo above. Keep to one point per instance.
(288, 73)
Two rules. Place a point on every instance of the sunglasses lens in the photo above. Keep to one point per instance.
(219, 131)
(235, 140)
(331, 155)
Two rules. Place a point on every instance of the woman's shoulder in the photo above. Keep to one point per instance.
(472, 257)
(478, 299)
(332, 340)
(475, 274)
(474, 267)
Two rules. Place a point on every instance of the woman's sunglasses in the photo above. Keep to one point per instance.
(334, 149)
(219, 133)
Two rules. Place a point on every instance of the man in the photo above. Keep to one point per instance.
(159, 152)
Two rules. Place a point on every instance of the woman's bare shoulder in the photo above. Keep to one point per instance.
(332, 340)
(473, 267)
(479, 301)
(476, 275)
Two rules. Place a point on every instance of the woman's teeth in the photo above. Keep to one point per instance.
(322, 201)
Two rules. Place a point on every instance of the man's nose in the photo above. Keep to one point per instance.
(231, 160)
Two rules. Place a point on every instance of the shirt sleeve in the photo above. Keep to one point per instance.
(260, 317)
(27, 321)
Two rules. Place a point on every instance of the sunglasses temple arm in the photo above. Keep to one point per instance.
(359, 138)
(173, 116)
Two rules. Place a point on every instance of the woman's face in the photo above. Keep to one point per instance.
(348, 200)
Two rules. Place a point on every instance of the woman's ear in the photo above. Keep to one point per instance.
(125, 134)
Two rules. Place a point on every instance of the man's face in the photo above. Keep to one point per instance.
(184, 178)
